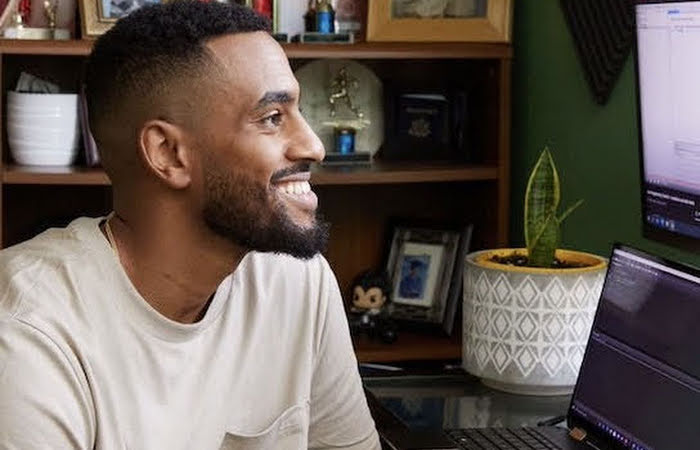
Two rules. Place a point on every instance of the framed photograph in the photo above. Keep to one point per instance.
(416, 274)
(422, 265)
(98, 16)
(440, 20)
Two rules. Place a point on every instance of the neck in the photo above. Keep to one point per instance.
(175, 264)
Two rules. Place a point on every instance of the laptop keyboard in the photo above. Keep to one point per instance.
(501, 439)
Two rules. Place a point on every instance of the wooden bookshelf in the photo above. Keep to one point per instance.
(359, 201)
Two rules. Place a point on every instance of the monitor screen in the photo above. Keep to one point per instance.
(668, 89)
(640, 378)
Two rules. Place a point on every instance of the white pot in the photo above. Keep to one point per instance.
(525, 329)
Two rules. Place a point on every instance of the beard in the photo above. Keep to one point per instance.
(240, 209)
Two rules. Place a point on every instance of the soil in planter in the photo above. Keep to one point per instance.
(516, 259)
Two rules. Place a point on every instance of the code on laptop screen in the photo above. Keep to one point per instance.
(640, 377)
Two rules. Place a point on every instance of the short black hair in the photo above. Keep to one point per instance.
(145, 52)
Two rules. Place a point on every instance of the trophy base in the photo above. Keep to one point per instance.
(36, 33)
(335, 158)
(313, 37)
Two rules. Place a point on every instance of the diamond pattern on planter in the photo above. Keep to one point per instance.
(501, 357)
(528, 293)
(527, 326)
(575, 357)
(581, 293)
(502, 324)
(526, 359)
(555, 294)
(502, 289)
(552, 360)
(482, 354)
(482, 287)
(553, 327)
(481, 320)
(580, 325)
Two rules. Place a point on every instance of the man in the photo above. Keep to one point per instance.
(199, 314)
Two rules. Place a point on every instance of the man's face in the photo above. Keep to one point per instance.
(256, 150)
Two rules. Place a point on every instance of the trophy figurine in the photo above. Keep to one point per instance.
(21, 31)
(50, 7)
(345, 125)
(340, 91)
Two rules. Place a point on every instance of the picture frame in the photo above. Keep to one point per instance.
(424, 267)
(494, 24)
(98, 16)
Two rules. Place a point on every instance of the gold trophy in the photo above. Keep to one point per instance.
(350, 120)
(19, 31)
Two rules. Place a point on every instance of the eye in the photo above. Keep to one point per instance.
(272, 120)
(373, 299)
(356, 297)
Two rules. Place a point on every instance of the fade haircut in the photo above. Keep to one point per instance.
(154, 55)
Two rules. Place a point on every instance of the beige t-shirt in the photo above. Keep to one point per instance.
(86, 363)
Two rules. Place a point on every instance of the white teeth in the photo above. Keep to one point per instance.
(296, 187)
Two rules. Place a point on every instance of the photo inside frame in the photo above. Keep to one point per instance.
(438, 9)
(116, 9)
(417, 274)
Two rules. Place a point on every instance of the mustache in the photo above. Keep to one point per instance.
(296, 168)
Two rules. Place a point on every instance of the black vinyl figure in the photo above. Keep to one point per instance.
(370, 295)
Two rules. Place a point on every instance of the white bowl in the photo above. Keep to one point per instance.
(42, 158)
(22, 99)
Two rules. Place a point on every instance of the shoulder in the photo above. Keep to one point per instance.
(276, 267)
(287, 285)
(41, 265)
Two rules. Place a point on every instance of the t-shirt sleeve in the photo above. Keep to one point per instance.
(43, 402)
(340, 417)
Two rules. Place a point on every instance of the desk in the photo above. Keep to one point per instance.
(460, 401)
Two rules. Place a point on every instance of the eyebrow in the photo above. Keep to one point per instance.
(272, 97)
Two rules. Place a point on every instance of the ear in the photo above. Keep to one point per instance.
(165, 154)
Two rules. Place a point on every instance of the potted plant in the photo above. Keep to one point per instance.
(528, 312)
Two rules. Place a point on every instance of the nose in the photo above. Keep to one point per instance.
(305, 144)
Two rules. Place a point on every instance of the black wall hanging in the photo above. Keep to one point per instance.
(603, 31)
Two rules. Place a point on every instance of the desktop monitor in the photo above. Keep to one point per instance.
(668, 93)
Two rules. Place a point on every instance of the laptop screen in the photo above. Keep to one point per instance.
(639, 383)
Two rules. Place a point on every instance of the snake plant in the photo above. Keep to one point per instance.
(542, 197)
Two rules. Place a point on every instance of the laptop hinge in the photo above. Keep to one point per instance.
(577, 434)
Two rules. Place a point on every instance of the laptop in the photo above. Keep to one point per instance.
(639, 383)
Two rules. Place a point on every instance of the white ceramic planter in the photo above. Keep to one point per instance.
(525, 329)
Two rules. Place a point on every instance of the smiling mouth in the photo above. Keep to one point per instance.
(295, 187)
(298, 193)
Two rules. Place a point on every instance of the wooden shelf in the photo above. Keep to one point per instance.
(45, 47)
(378, 173)
(54, 175)
(409, 347)
(400, 50)
(364, 50)
(387, 173)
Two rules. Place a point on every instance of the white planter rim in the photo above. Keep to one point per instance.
(595, 262)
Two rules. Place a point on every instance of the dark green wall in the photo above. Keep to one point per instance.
(594, 147)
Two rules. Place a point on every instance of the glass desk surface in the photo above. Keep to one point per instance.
(460, 401)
